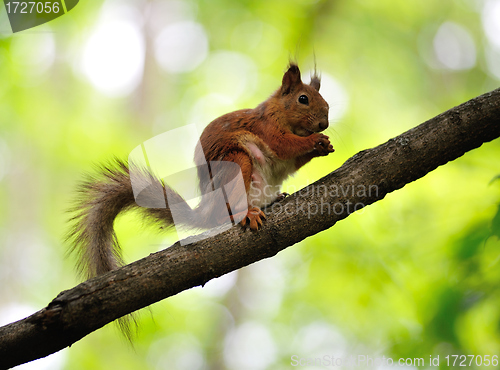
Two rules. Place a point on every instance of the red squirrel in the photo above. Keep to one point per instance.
(268, 143)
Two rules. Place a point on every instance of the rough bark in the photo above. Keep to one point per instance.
(87, 307)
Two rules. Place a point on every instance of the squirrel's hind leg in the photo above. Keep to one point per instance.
(252, 215)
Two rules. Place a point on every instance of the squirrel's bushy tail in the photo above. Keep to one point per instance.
(101, 199)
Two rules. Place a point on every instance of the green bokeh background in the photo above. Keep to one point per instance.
(412, 276)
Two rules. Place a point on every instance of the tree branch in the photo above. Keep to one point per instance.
(362, 180)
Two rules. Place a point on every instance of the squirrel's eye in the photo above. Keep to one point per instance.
(303, 99)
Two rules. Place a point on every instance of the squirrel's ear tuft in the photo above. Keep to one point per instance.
(315, 80)
(291, 79)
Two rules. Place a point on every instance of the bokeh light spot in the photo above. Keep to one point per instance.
(454, 47)
(181, 47)
(113, 57)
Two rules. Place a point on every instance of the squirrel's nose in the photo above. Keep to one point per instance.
(323, 124)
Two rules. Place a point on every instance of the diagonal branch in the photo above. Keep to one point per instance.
(362, 180)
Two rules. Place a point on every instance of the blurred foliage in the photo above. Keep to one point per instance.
(414, 275)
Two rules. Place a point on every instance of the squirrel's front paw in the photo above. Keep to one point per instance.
(322, 145)
(254, 218)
